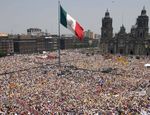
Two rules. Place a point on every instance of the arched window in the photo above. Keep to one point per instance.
(111, 51)
(131, 52)
(141, 34)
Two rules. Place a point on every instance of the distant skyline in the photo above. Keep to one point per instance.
(19, 15)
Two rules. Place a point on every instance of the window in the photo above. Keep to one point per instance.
(141, 34)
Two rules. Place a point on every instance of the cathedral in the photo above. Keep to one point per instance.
(137, 42)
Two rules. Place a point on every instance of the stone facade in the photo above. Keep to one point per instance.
(6, 45)
(137, 42)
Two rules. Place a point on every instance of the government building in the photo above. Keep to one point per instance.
(137, 42)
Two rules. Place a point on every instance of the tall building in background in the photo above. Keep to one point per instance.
(6, 43)
(89, 34)
(107, 29)
(137, 42)
(142, 25)
(106, 32)
(34, 31)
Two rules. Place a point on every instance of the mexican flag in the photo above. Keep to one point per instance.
(70, 23)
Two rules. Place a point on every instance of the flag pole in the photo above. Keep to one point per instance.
(59, 37)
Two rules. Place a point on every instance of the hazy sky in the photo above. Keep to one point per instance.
(18, 15)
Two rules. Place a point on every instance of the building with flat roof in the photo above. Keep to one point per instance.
(34, 32)
(6, 45)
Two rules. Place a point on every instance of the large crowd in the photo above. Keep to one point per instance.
(85, 84)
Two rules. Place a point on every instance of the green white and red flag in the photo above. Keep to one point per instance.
(67, 21)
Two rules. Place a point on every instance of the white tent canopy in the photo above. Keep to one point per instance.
(147, 65)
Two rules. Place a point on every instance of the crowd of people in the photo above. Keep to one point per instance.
(85, 83)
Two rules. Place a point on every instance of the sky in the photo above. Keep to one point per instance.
(19, 15)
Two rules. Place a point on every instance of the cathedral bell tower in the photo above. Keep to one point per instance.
(106, 34)
(142, 24)
(107, 30)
